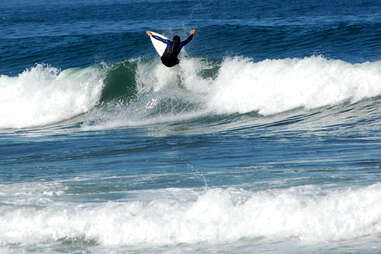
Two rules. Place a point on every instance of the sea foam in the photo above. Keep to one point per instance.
(273, 86)
(307, 214)
(44, 95)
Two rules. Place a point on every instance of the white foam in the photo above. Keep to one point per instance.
(307, 214)
(30, 193)
(155, 76)
(273, 86)
(43, 95)
(159, 92)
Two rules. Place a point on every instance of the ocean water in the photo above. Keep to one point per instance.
(266, 138)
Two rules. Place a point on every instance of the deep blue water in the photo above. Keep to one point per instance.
(265, 139)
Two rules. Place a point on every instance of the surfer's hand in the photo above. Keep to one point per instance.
(193, 31)
(149, 33)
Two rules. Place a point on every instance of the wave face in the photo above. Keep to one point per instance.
(138, 92)
(43, 95)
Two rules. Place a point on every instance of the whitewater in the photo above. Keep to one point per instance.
(308, 214)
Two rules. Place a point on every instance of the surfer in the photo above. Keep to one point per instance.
(169, 57)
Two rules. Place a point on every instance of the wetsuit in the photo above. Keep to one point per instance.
(169, 57)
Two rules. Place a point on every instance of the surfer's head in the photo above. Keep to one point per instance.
(176, 39)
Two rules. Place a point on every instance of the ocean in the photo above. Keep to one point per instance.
(266, 138)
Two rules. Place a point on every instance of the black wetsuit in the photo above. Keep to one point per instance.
(169, 57)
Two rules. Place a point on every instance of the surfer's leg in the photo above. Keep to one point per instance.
(166, 60)
(169, 61)
(173, 61)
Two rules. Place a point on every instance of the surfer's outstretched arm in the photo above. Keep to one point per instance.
(158, 37)
(161, 39)
(183, 43)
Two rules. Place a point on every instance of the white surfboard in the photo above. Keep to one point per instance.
(159, 45)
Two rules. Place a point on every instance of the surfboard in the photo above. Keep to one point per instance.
(159, 45)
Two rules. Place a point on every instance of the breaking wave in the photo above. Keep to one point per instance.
(307, 214)
(136, 92)
(43, 95)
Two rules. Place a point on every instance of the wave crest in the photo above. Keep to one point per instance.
(136, 92)
(274, 86)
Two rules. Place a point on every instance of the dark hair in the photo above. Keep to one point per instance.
(176, 38)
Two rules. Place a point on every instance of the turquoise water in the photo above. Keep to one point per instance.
(265, 139)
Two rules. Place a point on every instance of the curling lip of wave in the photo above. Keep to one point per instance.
(43, 95)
